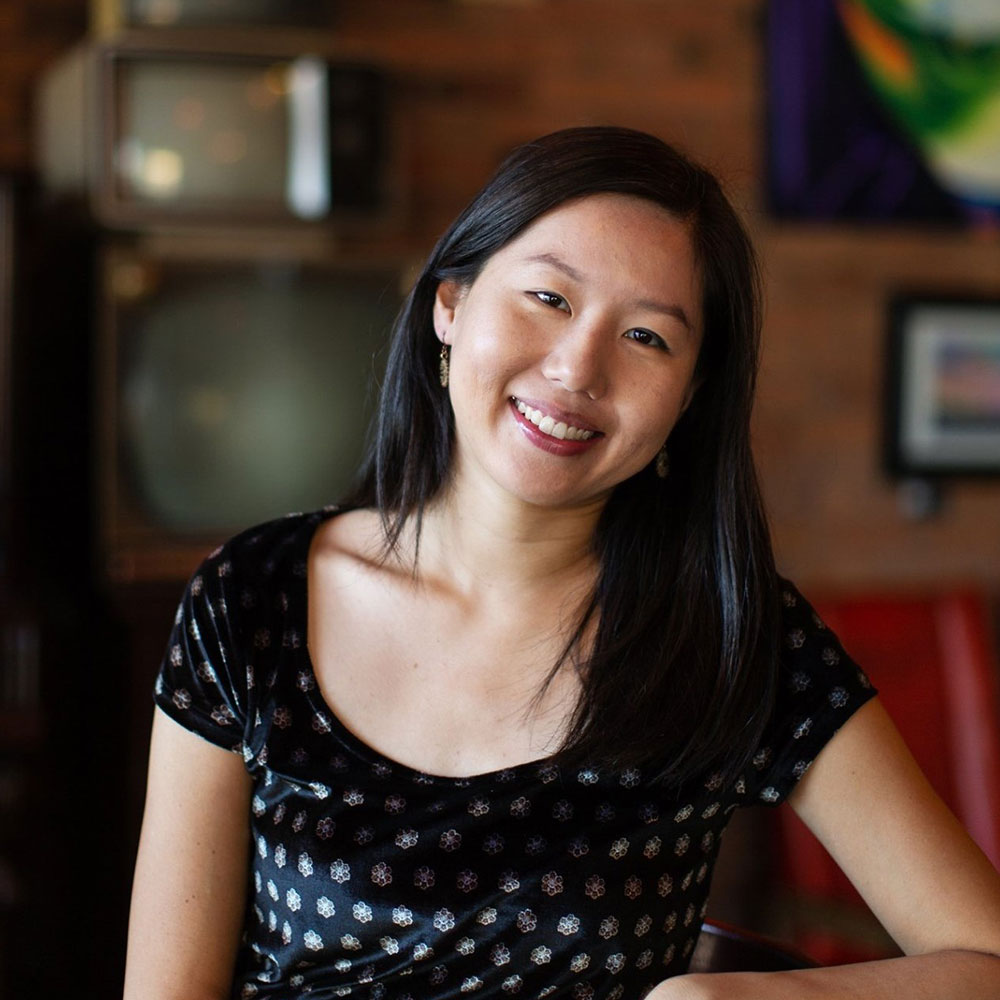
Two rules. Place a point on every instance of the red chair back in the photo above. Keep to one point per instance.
(934, 662)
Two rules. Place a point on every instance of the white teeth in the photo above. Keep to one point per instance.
(547, 425)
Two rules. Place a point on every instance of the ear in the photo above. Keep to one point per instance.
(692, 388)
(446, 301)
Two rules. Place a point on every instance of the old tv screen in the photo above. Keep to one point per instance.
(241, 391)
(194, 134)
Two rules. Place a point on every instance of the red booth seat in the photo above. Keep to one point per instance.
(934, 662)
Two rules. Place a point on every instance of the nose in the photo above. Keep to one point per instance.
(578, 360)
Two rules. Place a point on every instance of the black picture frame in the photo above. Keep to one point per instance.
(942, 416)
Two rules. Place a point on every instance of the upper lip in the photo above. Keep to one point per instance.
(557, 413)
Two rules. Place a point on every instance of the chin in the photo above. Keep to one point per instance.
(552, 497)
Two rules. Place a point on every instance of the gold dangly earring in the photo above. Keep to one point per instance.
(663, 463)
(443, 366)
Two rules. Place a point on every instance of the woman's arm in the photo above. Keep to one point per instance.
(933, 890)
(190, 884)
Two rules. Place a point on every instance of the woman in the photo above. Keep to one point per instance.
(491, 716)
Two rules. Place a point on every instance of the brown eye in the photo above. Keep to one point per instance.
(551, 299)
(646, 337)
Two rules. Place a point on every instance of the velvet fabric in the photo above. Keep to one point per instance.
(373, 880)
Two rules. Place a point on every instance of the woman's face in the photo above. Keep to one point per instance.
(573, 352)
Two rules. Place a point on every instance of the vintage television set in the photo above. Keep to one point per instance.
(213, 127)
(234, 387)
(110, 16)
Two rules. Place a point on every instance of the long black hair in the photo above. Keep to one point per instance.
(681, 675)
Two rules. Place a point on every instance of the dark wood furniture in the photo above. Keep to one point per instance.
(724, 948)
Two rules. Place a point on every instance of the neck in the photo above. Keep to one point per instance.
(493, 546)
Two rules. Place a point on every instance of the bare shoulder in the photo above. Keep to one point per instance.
(350, 541)
(349, 572)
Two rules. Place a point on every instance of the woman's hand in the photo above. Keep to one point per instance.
(190, 884)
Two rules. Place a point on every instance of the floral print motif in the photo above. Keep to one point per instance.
(374, 881)
(407, 839)
(382, 874)
(467, 881)
(424, 878)
(552, 884)
(450, 840)
(509, 882)
(500, 955)
(493, 844)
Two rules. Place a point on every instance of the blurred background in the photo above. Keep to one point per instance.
(209, 210)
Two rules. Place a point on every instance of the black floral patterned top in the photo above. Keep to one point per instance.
(372, 880)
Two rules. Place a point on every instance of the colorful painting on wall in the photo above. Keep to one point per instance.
(884, 110)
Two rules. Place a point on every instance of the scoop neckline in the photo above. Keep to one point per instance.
(348, 737)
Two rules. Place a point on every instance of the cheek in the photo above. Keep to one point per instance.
(660, 411)
(479, 381)
(488, 353)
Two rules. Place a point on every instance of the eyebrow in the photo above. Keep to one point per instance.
(558, 263)
(667, 309)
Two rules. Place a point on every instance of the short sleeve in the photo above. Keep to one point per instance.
(819, 688)
(202, 682)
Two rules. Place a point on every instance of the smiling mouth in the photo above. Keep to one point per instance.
(548, 425)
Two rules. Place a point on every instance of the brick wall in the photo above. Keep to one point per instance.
(474, 78)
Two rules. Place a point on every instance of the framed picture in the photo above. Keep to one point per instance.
(943, 393)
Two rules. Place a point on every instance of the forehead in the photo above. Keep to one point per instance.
(606, 209)
(613, 240)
